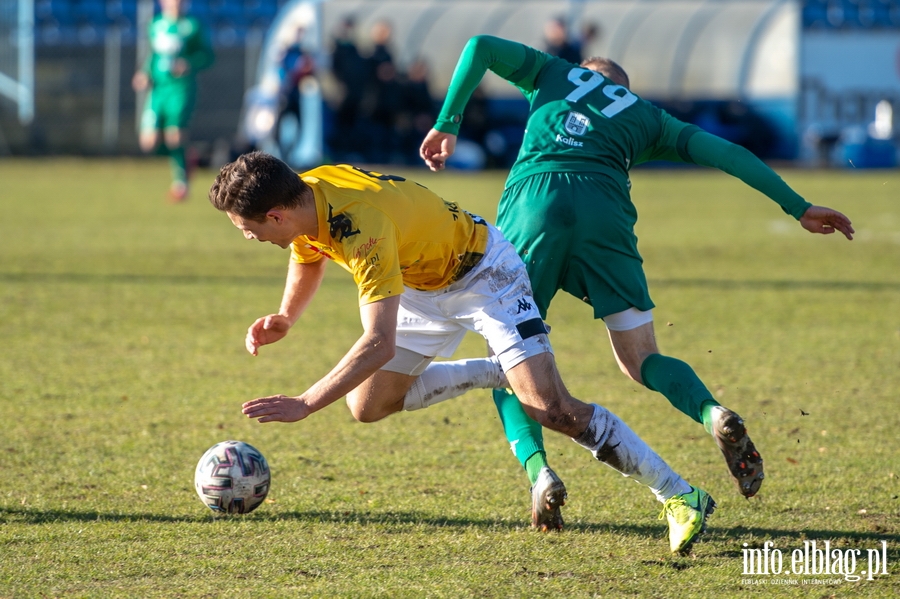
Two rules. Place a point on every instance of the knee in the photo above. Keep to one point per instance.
(173, 138)
(363, 414)
(366, 417)
(368, 412)
(147, 143)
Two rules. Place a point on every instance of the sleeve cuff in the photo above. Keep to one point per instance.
(800, 210)
(449, 125)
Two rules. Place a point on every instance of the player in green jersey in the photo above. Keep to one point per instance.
(180, 48)
(567, 209)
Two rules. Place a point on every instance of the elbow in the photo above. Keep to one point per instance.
(387, 353)
(383, 349)
(478, 43)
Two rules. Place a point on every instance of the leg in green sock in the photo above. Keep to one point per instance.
(178, 163)
(525, 436)
(526, 439)
(678, 382)
(638, 357)
(174, 138)
(706, 414)
(534, 464)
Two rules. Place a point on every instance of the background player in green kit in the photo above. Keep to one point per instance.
(180, 48)
(567, 209)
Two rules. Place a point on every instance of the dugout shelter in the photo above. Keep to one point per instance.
(731, 65)
(817, 80)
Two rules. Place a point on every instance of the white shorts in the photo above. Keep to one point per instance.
(494, 300)
(628, 319)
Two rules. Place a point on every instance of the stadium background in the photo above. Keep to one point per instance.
(801, 81)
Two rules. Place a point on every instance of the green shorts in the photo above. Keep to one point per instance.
(167, 109)
(575, 232)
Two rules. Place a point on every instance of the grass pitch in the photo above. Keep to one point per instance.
(122, 319)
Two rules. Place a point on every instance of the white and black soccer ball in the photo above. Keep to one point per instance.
(232, 477)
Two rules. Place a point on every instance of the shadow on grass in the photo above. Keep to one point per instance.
(207, 279)
(406, 518)
(132, 279)
(776, 285)
(29, 516)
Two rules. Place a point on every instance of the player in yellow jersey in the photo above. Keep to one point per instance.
(426, 272)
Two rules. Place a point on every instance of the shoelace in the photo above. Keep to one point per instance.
(671, 503)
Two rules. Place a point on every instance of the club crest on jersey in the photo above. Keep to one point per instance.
(576, 123)
(340, 225)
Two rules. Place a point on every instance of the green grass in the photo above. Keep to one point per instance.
(122, 319)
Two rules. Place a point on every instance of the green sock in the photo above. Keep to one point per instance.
(179, 164)
(706, 414)
(525, 436)
(678, 382)
(534, 464)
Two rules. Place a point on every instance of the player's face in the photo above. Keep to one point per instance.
(273, 229)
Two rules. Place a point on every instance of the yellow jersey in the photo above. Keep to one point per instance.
(389, 232)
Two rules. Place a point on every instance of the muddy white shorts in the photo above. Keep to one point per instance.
(494, 300)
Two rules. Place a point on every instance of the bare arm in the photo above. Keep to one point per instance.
(371, 351)
(140, 81)
(303, 280)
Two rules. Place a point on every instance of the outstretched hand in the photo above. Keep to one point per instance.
(265, 330)
(140, 81)
(818, 219)
(277, 408)
(437, 148)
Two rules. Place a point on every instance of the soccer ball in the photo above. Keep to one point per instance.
(232, 477)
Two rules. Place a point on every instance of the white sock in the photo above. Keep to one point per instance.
(446, 380)
(617, 446)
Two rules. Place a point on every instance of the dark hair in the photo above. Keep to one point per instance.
(608, 69)
(256, 183)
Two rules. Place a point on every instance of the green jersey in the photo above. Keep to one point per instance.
(582, 122)
(170, 40)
